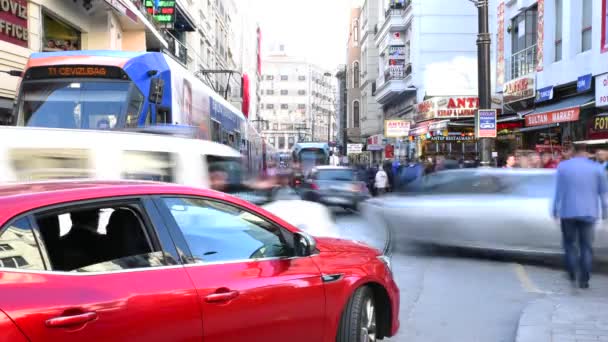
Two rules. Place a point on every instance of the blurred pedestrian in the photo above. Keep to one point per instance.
(547, 161)
(381, 181)
(580, 185)
(510, 163)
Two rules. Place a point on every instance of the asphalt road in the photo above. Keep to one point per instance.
(455, 295)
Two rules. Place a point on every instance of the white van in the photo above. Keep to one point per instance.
(36, 154)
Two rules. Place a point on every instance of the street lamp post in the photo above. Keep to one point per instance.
(483, 74)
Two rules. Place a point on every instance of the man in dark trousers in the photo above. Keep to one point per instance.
(580, 189)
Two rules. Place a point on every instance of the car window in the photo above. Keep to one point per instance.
(336, 175)
(18, 247)
(96, 239)
(217, 232)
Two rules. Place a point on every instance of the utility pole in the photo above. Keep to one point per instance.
(483, 75)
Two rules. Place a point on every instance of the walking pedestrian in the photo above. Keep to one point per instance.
(510, 162)
(581, 186)
(381, 182)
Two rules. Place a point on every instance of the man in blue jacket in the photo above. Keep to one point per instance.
(581, 188)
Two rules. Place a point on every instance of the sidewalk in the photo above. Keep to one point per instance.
(575, 318)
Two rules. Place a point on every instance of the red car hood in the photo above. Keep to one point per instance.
(325, 244)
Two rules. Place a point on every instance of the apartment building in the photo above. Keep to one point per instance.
(428, 75)
(552, 70)
(298, 101)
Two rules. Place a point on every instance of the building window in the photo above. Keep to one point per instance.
(356, 75)
(269, 92)
(284, 78)
(275, 126)
(524, 36)
(301, 78)
(558, 29)
(301, 92)
(284, 106)
(272, 140)
(302, 106)
(356, 32)
(59, 36)
(269, 106)
(356, 114)
(269, 77)
(281, 142)
(284, 92)
(587, 25)
(291, 141)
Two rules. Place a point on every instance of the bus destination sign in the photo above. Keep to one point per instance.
(163, 11)
(66, 71)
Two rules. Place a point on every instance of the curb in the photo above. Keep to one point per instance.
(535, 321)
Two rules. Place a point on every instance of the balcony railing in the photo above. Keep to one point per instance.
(177, 49)
(398, 8)
(521, 63)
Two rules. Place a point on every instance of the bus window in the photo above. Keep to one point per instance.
(79, 103)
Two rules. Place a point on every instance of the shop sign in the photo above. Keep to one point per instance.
(374, 143)
(354, 148)
(519, 89)
(420, 129)
(486, 123)
(396, 52)
(583, 83)
(453, 138)
(601, 90)
(162, 10)
(13, 22)
(122, 9)
(562, 115)
(396, 39)
(447, 107)
(598, 127)
(396, 128)
(425, 110)
(500, 49)
(544, 94)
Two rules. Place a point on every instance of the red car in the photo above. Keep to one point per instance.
(130, 261)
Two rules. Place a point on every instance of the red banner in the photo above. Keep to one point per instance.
(541, 35)
(13, 22)
(500, 49)
(562, 115)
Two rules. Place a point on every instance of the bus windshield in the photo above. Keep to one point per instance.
(79, 103)
(309, 158)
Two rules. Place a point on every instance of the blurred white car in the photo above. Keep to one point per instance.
(313, 218)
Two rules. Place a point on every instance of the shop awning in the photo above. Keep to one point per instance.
(510, 119)
(574, 101)
(537, 128)
(593, 142)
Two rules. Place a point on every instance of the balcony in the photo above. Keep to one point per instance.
(396, 19)
(177, 49)
(521, 63)
(395, 80)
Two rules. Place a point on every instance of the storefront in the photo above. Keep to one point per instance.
(375, 145)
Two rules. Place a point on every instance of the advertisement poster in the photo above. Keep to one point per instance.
(486, 123)
(500, 50)
(519, 89)
(541, 35)
(396, 128)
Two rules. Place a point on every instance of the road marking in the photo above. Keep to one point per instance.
(525, 281)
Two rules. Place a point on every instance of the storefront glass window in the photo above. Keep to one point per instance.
(59, 36)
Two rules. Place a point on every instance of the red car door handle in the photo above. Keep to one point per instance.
(67, 321)
(219, 297)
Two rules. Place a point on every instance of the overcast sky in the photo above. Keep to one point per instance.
(314, 29)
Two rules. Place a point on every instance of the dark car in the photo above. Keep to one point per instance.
(335, 186)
